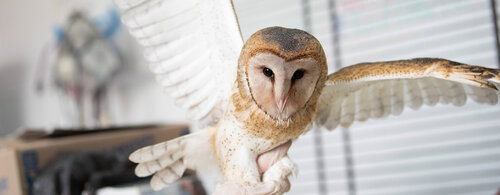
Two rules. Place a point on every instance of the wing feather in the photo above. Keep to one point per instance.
(347, 111)
(376, 90)
(200, 95)
(189, 86)
(444, 91)
(458, 94)
(397, 97)
(430, 93)
(183, 45)
(377, 107)
(127, 4)
(362, 110)
(177, 76)
(334, 119)
(153, 34)
(385, 98)
(413, 95)
(192, 46)
(199, 112)
(190, 101)
(155, 11)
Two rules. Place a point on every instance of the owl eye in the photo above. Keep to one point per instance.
(268, 72)
(298, 75)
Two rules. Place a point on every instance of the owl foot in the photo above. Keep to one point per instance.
(277, 176)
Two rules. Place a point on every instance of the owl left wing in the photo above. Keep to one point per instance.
(376, 90)
(192, 46)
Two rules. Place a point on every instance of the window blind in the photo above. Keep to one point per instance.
(435, 150)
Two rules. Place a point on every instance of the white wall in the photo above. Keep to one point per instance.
(26, 31)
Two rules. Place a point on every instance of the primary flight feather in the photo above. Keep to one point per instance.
(251, 98)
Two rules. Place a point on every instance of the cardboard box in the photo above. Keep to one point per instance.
(22, 157)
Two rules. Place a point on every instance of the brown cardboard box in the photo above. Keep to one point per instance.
(22, 157)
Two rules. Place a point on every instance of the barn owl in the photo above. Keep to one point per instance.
(250, 98)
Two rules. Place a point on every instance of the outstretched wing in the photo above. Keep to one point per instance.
(376, 90)
(192, 46)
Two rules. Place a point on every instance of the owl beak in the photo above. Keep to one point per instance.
(281, 97)
(281, 104)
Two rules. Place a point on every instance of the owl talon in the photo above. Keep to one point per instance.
(278, 187)
(277, 176)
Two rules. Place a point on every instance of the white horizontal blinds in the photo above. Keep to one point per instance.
(332, 141)
(439, 150)
(321, 28)
(255, 15)
(383, 30)
(303, 154)
(496, 4)
(423, 153)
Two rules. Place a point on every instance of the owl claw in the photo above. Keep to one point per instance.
(277, 176)
(278, 187)
(263, 188)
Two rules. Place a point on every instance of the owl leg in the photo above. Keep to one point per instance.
(277, 175)
(242, 177)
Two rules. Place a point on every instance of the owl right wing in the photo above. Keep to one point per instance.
(377, 90)
(192, 46)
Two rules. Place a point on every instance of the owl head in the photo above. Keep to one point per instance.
(282, 70)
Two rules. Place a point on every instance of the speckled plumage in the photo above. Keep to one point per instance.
(378, 89)
(236, 127)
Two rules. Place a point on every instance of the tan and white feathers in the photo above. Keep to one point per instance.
(195, 49)
(376, 90)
